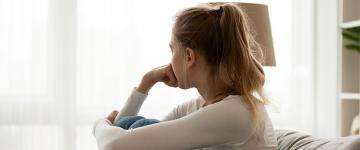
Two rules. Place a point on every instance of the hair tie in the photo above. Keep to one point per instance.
(220, 11)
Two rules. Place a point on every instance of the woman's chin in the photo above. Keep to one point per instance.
(181, 86)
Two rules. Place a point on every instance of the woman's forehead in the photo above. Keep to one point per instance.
(172, 42)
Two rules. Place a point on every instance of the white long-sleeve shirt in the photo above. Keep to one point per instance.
(225, 125)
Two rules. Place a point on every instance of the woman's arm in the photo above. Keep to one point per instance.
(133, 104)
(181, 110)
(214, 125)
(210, 126)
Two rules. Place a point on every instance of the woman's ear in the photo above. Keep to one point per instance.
(190, 57)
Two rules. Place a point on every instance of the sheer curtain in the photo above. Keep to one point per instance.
(66, 63)
(290, 85)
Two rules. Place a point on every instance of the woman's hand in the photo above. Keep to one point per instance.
(111, 117)
(163, 74)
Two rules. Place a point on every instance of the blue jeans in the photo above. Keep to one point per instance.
(131, 122)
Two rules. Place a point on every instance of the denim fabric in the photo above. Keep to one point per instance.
(131, 122)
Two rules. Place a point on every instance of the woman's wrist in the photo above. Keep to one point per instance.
(146, 84)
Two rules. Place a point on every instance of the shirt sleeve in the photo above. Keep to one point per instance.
(132, 105)
(176, 112)
(204, 128)
(171, 116)
(181, 110)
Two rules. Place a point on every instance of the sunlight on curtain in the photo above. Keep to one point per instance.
(23, 47)
(114, 44)
(290, 85)
(24, 86)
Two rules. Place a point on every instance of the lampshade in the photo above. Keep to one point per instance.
(259, 22)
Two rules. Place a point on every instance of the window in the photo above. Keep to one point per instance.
(65, 63)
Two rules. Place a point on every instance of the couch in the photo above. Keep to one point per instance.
(294, 140)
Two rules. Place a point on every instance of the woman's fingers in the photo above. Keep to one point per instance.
(172, 79)
(164, 74)
(168, 76)
(111, 117)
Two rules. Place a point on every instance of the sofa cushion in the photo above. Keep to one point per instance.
(291, 140)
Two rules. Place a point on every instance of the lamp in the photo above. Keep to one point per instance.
(259, 22)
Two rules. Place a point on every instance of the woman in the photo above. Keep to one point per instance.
(214, 52)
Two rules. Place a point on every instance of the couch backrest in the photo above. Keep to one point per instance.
(294, 140)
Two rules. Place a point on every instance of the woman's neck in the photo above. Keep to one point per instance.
(210, 89)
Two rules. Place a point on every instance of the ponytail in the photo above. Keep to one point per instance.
(238, 66)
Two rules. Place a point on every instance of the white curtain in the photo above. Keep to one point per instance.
(66, 63)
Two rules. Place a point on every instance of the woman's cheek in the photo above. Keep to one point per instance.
(176, 71)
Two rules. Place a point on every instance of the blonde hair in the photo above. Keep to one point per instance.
(220, 33)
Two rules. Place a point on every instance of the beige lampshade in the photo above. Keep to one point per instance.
(258, 19)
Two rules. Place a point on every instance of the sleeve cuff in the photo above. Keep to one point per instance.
(138, 95)
(98, 122)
